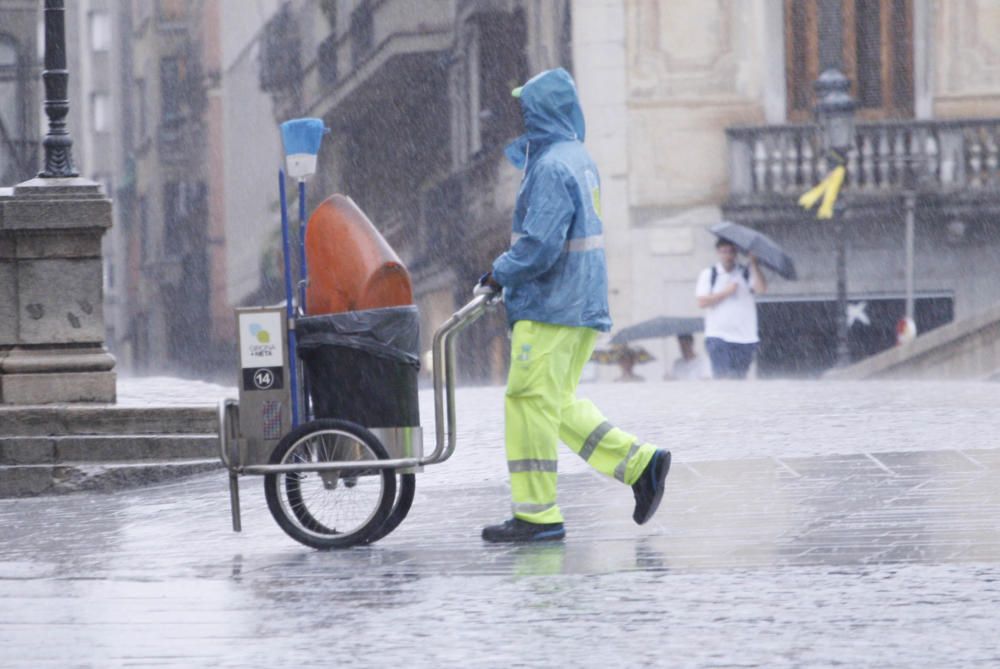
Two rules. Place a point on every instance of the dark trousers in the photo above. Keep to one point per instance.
(729, 361)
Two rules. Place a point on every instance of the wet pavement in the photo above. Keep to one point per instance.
(805, 524)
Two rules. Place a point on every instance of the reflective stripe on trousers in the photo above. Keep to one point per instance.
(525, 508)
(623, 465)
(518, 466)
(592, 441)
(541, 408)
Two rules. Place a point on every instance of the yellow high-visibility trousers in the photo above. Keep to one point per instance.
(541, 408)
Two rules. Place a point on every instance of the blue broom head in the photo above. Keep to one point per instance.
(301, 138)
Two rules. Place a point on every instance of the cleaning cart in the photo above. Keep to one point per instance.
(328, 411)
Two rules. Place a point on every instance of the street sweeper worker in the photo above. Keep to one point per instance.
(555, 287)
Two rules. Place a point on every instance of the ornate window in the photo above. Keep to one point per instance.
(877, 39)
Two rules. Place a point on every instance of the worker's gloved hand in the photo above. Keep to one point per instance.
(486, 285)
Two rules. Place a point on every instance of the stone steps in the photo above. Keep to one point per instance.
(61, 420)
(47, 479)
(105, 448)
(65, 448)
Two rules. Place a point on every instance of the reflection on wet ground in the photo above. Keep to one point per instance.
(881, 559)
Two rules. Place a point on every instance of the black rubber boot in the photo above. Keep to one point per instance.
(648, 490)
(517, 530)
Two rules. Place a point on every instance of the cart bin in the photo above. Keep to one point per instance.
(362, 366)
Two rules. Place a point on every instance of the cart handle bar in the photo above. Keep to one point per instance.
(443, 357)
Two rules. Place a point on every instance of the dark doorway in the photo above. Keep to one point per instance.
(799, 337)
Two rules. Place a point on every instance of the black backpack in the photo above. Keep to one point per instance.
(715, 275)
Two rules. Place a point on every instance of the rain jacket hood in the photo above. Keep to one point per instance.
(555, 270)
(552, 113)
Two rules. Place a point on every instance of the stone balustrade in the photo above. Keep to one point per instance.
(886, 157)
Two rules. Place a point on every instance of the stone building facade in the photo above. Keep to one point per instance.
(178, 315)
(704, 112)
(251, 159)
(687, 103)
(419, 107)
(697, 110)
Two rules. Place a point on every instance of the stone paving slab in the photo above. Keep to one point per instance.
(860, 561)
(805, 524)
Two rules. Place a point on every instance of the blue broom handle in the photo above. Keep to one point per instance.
(303, 268)
(303, 281)
(293, 381)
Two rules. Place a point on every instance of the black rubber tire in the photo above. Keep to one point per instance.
(407, 486)
(298, 522)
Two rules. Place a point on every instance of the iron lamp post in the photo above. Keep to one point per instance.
(835, 114)
(58, 143)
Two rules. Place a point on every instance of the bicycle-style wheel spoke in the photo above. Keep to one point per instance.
(320, 501)
(332, 507)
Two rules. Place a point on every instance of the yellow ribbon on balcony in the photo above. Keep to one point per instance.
(828, 189)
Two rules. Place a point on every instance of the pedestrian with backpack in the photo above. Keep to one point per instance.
(727, 291)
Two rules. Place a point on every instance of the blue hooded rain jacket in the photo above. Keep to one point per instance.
(555, 271)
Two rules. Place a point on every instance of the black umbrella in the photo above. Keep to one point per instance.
(763, 247)
(661, 326)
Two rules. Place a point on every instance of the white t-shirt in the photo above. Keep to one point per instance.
(734, 319)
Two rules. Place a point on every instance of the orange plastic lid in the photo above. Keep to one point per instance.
(351, 266)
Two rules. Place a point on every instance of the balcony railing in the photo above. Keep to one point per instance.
(951, 155)
(376, 32)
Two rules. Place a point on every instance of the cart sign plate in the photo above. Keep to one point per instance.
(263, 378)
(261, 340)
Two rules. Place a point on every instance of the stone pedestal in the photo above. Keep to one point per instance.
(51, 293)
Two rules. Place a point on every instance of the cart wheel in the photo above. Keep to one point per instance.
(404, 500)
(333, 508)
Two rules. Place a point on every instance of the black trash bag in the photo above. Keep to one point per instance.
(362, 365)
